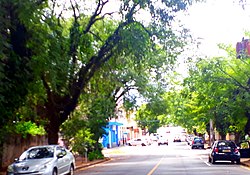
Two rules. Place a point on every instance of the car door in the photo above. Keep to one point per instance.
(63, 160)
(66, 160)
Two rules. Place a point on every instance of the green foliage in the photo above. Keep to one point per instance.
(82, 141)
(93, 155)
(52, 59)
(217, 89)
(28, 128)
(147, 119)
(79, 136)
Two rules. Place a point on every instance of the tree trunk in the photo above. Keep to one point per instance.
(54, 123)
(247, 126)
(223, 136)
(1, 155)
(237, 137)
(53, 130)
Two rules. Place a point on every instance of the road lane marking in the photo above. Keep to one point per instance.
(155, 167)
(208, 164)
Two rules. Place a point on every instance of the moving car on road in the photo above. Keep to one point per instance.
(224, 150)
(197, 142)
(177, 138)
(44, 160)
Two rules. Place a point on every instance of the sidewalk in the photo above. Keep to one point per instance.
(245, 162)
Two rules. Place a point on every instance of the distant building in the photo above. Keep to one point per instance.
(121, 128)
(243, 48)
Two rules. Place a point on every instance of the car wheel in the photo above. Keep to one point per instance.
(209, 159)
(212, 160)
(238, 161)
(129, 144)
(71, 170)
(54, 171)
(192, 147)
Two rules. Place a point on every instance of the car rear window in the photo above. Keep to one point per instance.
(197, 139)
(226, 144)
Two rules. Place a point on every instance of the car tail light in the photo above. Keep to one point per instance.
(216, 150)
(192, 142)
(236, 150)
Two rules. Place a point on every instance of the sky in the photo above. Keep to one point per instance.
(217, 21)
(214, 21)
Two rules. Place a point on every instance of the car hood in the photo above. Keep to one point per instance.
(31, 165)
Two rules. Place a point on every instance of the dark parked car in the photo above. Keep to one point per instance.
(197, 142)
(224, 150)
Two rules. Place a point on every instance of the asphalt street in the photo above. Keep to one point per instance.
(174, 159)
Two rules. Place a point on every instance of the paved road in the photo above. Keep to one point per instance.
(175, 159)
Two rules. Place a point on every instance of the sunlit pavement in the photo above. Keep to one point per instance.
(162, 149)
(154, 149)
(173, 150)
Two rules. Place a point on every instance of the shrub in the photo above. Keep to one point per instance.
(95, 155)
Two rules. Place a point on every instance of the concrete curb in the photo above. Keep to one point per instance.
(85, 165)
(245, 164)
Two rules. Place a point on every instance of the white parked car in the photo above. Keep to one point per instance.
(138, 142)
(162, 141)
(44, 160)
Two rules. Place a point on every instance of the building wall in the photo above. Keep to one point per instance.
(15, 145)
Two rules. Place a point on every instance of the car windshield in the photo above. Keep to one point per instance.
(38, 153)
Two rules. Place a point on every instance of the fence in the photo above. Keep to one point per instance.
(15, 145)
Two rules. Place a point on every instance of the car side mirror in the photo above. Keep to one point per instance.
(16, 160)
(60, 155)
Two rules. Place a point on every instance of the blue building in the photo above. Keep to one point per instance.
(112, 138)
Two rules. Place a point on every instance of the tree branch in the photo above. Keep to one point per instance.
(236, 81)
(97, 12)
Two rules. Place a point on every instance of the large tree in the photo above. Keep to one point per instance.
(216, 89)
(59, 47)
